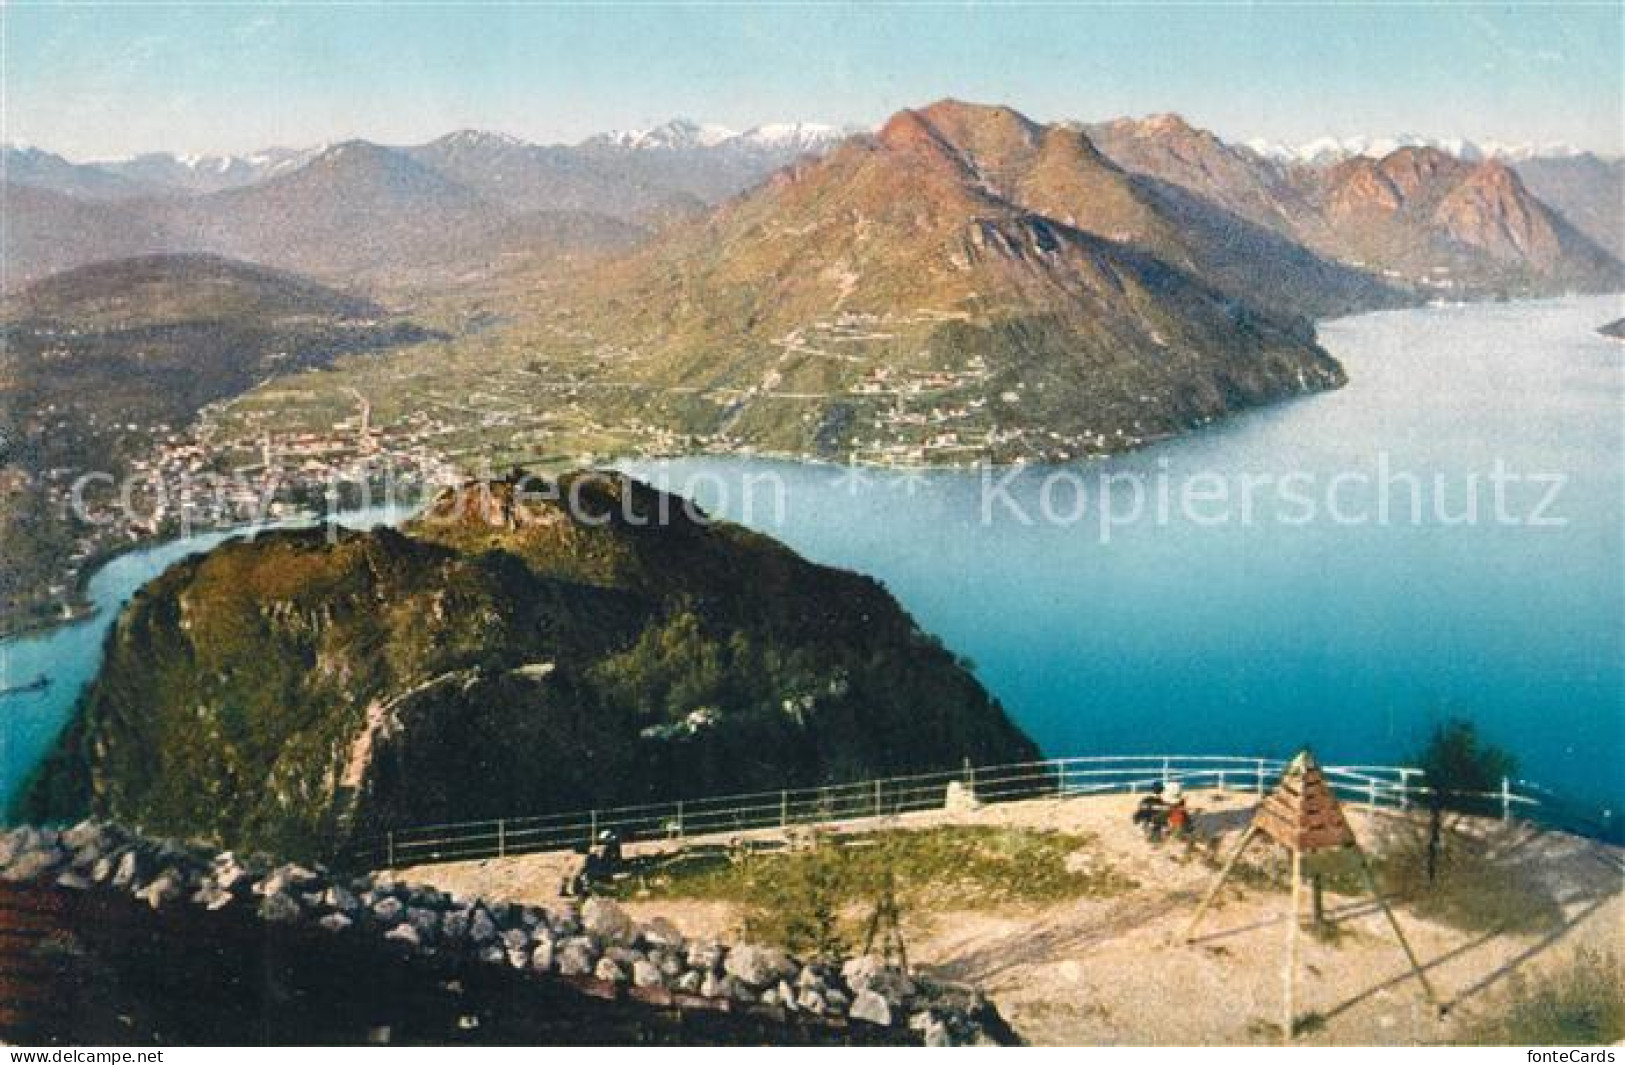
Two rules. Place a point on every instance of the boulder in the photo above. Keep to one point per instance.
(646, 974)
(228, 874)
(288, 877)
(454, 925)
(758, 966)
(662, 933)
(86, 834)
(576, 957)
(73, 881)
(871, 973)
(541, 956)
(811, 1000)
(515, 939)
(481, 928)
(280, 908)
(609, 970)
(404, 934)
(129, 870)
(388, 910)
(933, 1030)
(162, 891)
(35, 864)
(334, 922)
(605, 919)
(424, 920)
(341, 900)
(706, 957)
(212, 898)
(690, 982)
(101, 871)
(786, 994)
(870, 1007)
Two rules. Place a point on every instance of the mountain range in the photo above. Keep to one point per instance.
(499, 198)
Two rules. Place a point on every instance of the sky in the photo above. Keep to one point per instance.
(105, 80)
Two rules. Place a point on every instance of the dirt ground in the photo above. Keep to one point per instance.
(1117, 971)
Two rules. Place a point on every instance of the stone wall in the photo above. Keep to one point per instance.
(194, 946)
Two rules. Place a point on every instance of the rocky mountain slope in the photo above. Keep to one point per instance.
(1587, 190)
(518, 649)
(965, 269)
(1417, 215)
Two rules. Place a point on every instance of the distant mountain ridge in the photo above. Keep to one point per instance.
(1417, 215)
(1322, 151)
(1300, 229)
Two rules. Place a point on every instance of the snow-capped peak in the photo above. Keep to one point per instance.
(1326, 150)
(797, 135)
(469, 138)
(676, 135)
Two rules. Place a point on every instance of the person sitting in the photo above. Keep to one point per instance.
(1151, 811)
(1177, 819)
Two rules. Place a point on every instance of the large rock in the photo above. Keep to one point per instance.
(646, 974)
(870, 1007)
(662, 933)
(35, 864)
(606, 920)
(481, 928)
(871, 973)
(576, 957)
(280, 908)
(758, 966)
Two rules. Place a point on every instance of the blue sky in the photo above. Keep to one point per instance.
(102, 80)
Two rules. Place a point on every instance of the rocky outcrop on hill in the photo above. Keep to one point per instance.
(1418, 215)
(596, 945)
(524, 647)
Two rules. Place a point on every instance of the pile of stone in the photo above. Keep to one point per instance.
(597, 940)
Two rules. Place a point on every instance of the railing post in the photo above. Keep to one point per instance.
(1259, 777)
(1506, 799)
(592, 827)
(784, 809)
(679, 818)
(877, 798)
(502, 838)
(1371, 795)
(389, 861)
(1404, 790)
(1165, 770)
(1221, 780)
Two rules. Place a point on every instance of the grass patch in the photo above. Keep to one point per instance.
(819, 899)
(1583, 1004)
(1476, 891)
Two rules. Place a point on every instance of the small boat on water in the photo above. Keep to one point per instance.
(38, 684)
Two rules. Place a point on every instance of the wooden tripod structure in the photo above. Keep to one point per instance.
(1303, 815)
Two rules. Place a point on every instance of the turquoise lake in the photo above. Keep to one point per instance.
(1304, 617)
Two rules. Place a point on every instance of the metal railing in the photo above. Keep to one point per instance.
(1374, 787)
